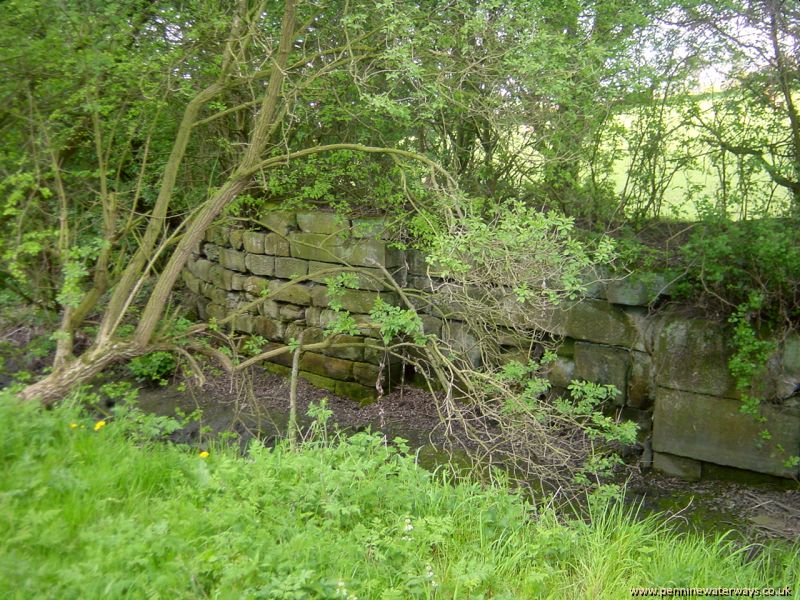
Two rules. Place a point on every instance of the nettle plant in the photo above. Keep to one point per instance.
(156, 367)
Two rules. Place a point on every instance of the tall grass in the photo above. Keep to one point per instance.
(114, 514)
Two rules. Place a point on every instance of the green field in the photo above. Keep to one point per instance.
(700, 183)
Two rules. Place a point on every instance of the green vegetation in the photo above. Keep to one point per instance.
(498, 136)
(110, 511)
(155, 367)
(132, 126)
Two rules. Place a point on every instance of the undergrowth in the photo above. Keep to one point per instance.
(112, 510)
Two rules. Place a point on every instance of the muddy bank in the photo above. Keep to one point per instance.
(257, 405)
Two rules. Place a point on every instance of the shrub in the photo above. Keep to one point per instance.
(727, 263)
(155, 367)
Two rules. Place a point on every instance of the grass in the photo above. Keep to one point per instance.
(115, 513)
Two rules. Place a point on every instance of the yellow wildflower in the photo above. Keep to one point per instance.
(204, 454)
(99, 425)
(73, 425)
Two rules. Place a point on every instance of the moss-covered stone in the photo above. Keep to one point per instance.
(254, 242)
(599, 322)
(201, 268)
(417, 264)
(677, 466)
(316, 246)
(353, 348)
(238, 282)
(290, 268)
(284, 358)
(295, 293)
(202, 308)
(326, 365)
(329, 248)
(369, 227)
(375, 352)
(291, 312)
(190, 281)
(217, 234)
(219, 296)
(216, 311)
(357, 301)
(279, 221)
(692, 355)
(368, 279)
(232, 259)
(549, 319)
(508, 355)
(255, 285)
(713, 429)
(236, 239)
(269, 328)
(212, 252)
(566, 348)
(277, 369)
(605, 365)
(421, 283)
(234, 302)
(561, 372)
(367, 374)
(227, 280)
(276, 245)
(320, 221)
(320, 271)
(322, 317)
(637, 289)
(260, 265)
(463, 341)
(221, 277)
(431, 325)
(319, 381)
(314, 316)
(244, 323)
(311, 335)
(206, 289)
(269, 308)
(594, 282)
(791, 355)
(640, 318)
(355, 391)
(371, 253)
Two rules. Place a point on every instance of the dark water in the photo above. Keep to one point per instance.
(221, 414)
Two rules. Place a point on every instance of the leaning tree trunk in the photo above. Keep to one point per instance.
(107, 350)
(79, 370)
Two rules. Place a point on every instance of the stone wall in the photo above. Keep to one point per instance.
(671, 370)
(234, 267)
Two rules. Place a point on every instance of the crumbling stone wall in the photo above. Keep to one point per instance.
(672, 371)
(233, 266)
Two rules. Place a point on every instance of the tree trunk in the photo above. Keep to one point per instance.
(106, 351)
(79, 370)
